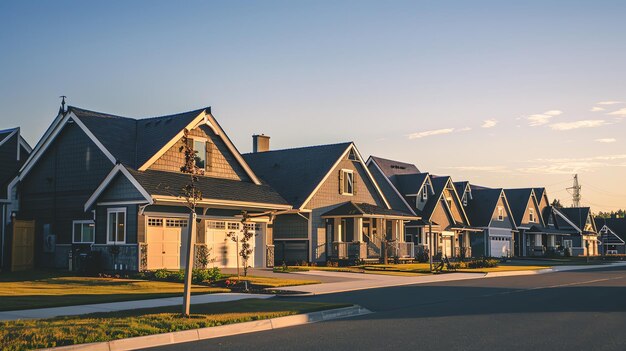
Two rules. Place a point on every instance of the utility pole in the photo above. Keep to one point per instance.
(430, 245)
(575, 192)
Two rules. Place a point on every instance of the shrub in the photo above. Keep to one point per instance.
(483, 263)
(161, 274)
(178, 276)
(203, 275)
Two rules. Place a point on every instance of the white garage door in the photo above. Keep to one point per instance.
(223, 248)
(163, 236)
(500, 246)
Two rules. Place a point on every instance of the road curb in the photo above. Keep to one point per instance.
(172, 338)
(554, 269)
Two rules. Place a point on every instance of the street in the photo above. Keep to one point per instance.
(576, 310)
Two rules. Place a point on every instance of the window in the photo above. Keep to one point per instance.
(346, 180)
(116, 225)
(175, 223)
(567, 243)
(465, 199)
(425, 192)
(500, 214)
(84, 232)
(199, 146)
(233, 226)
(449, 201)
(155, 222)
(531, 215)
(352, 156)
(216, 225)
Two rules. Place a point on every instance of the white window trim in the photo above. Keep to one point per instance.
(500, 214)
(531, 216)
(85, 221)
(425, 192)
(345, 173)
(116, 210)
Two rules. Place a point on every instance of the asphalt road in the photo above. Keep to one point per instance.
(577, 310)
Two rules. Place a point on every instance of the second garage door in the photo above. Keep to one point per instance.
(500, 246)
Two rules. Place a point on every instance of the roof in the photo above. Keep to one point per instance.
(617, 225)
(14, 151)
(484, 202)
(518, 201)
(295, 173)
(170, 184)
(133, 141)
(439, 185)
(577, 215)
(460, 187)
(364, 209)
(391, 167)
(409, 183)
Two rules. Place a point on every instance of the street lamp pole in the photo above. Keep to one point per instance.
(430, 245)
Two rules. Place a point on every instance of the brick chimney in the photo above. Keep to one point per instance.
(260, 143)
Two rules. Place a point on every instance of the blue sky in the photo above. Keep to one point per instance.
(500, 93)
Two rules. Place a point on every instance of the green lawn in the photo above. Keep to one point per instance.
(35, 334)
(502, 268)
(270, 282)
(26, 290)
(413, 269)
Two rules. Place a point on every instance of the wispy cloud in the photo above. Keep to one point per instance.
(427, 133)
(542, 118)
(489, 123)
(596, 109)
(589, 123)
(573, 165)
(609, 102)
(606, 140)
(490, 169)
(466, 129)
(621, 112)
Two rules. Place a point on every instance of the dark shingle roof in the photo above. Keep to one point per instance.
(409, 183)
(577, 215)
(391, 167)
(480, 210)
(295, 173)
(460, 187)
(133, 141)
(9, 165)
(617, 225)
(355, 209)
(170, 183)
(439, 185)
(518, 201)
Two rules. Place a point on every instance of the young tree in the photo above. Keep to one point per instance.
(557, 203)
(192, 196)
(244, 248)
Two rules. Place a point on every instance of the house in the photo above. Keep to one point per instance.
(341, 212)
(110, 186)
(14, 151)
(434, 199)
(489, 210)
(612, 235)
(584, 239)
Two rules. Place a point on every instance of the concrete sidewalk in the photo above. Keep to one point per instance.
(126, 305)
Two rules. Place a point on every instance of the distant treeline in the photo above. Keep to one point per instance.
(618, 214)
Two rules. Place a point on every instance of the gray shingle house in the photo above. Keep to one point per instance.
(612, 235)
(434, 199)
(342, 214)
(97, 182)
(14, 151)
(579, 223)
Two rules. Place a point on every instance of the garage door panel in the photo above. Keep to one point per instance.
(163, 246)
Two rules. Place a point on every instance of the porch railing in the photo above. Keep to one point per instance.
(365, 250)
(463, 252)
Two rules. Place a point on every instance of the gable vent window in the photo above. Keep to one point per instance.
(352, 156)
(347, 182)
(425, 193)
(500, 214)
(531, 215)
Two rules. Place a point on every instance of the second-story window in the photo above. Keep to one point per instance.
(199, 146)
(346, 182)
(500, 214)
(531, 215)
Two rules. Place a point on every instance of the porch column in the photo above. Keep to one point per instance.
(394, 230)
(358, 229)
(337, 230)
(401, 230)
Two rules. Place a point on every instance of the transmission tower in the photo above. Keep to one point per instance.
(575, 192)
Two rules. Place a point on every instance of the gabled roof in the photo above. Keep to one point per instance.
(297, 173)
(616, 227)
(518, 201)
(461, 187)
(484, 202)
(409, 184)
(15, 151)
(158, 185)
(391, 167)
(367, 210)
(577, 215)
(136, 143)
(439, 185)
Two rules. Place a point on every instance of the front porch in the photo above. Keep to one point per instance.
(547, 243)
(366, 233)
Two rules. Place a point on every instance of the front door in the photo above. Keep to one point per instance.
(447, 246)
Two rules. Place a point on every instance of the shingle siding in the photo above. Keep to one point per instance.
(223, 164)
(291, 227)
(120, 189)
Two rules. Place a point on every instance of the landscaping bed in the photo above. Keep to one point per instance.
(98, 327)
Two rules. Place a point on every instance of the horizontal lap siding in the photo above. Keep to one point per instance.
(328, 197)
(56, 189)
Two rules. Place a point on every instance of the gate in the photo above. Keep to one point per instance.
(23, 245)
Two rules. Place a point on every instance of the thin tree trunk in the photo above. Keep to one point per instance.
(191, 239)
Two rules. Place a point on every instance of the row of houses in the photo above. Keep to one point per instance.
(111, 185)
